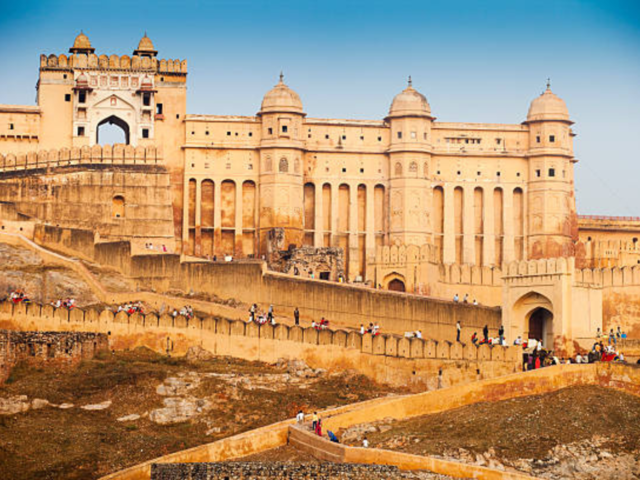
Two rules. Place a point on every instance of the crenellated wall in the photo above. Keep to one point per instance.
(111, 62)
(388, 358)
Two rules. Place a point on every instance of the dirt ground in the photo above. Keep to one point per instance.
(234, 396)
(536, 434)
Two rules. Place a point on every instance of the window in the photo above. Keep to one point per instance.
(284, 165)
(413, 167)
(413, 134)
(344, 137)
(498, 141)
(270, 130)
(81, 131)
(344, 170)
(537, 173)
(82, 97)
(117, 207)
(518, 174)
(379, 139)
(479, 173)
(64, 76)
(285, 129)
(159, 108)
(145, 133)
(552, 172)
(399, 134)
(424, 135)
(326, 137)
(207, 132)
(228, 134)
(362, 170)
(251, 134)
(538, 139)
(552, 138)
(459, 172)
(177, 116)
(11, 126)
(498, 174)
(67, 97)
(361, 137)
(146, 99)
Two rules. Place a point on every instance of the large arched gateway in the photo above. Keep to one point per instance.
(533, 314)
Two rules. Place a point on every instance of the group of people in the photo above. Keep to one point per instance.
(67, 303)
(465, 299)
(261, 318)
(373, 329)
(160, 248)
(19, 296)
(499, 340)
(316, 427)
(131, 308)
(612, 336)
(186, 311)
(323, 324)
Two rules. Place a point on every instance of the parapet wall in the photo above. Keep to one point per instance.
(47, 347)
(386, 358)
(111, 62)
(117, 154)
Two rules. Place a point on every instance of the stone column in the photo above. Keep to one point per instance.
(238, 220)
(198, 235)
(468, 227)
(334, 214)
(353, 231)
(507, 215)
(318, 234)
(449, 240)
(489, 238)
(185, 216)
(217, 217)
(370, 236)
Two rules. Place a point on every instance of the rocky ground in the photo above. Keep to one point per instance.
(579, 433)
(124, 408)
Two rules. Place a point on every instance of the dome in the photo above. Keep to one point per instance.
(146, 83)
(548, 106)
(281, 99)
(410, 103)
(82, 45)
(82, 81)
(145, 47)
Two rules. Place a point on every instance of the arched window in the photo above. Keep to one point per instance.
(268, 164)
(398, 168)
(117, 206)
(413, 167)
(426, 169)
(296, 165)
(284, 165)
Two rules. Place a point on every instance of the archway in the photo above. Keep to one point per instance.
(396, 285)
(112, 130)
(540, 326)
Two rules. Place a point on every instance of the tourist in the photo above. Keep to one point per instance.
(365, 442)
(578, 358)
(466, 298)
(474, 338)
(273, 321)
(501, 334)
(376, 329)
(458, 330)
(418, 334)
(619, 333)
(300, 417)
(518, 341)
(362, 332)
(314, 420)
(318, 428)
(475, 302)
(332, 437)
(612, 337)
(598, 334)
(456, 298)
(370, 329)
(270, 313)
(485, 333)
(313, 324)
(296, 316)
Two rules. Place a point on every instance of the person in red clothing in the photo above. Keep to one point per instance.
(319, 428)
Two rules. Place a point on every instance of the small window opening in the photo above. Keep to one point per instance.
(159, 108)
(207, 132)
(518, 174)
(552, 172)
(538, 173)
(424, 135)
(11, 126)
(538, 139)
(285, 129)
(177, 116)
(498, 174)
(413, 135)
(552, 138)
(146, 99)
(118, 206)
(344, 137)
(82, 97)
(67, 97)
(270, 130)
(459, 172)
(81, 131)
(498, 141)
(479, 173)
(379, 139)
(399, 134)
(326, 137)
(64, 76)
(344, 170)
(145, 133)
(228, 134)
(361, 137)
(362, 170)
(251, 134)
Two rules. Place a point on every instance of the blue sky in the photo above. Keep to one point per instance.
(476, 61)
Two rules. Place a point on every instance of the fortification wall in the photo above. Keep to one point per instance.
(47, 348)
(115, 193)
(386, 358)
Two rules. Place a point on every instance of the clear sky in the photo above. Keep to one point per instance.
(475, 60)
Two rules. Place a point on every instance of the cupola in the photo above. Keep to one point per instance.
(281, 99)
(548, 106)
(145, 47)
(82, 45)
(409, 103)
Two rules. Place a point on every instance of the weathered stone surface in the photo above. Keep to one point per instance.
(97, 406)
(178, 409)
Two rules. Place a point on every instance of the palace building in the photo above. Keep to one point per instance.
(407, 202)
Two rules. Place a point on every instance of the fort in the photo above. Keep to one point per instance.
(412, 224)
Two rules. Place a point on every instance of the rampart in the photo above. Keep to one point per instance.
(111, 62)
(47, 347)
(386, 358)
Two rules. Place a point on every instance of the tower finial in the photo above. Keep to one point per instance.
(281, 77)
(548, 83)
(410, 82)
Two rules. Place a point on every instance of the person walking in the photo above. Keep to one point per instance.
(485, 333)
(458, 330)
(314, 421)
(270, 313)
(501, 334)
(296, 316)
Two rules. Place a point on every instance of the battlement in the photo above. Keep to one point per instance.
(544, 266)
(112, 62)
(400, 255)
(65, 157)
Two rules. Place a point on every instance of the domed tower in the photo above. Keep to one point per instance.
(145, 47)
(409, 151)
(82, 45)
(551, 202)
(281, 157)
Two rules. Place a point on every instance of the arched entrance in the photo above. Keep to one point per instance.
(541, 325)
(112, 130)
(396, 285)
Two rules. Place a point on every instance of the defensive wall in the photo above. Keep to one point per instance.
(111, 62)
(47, 347)
(622, 377)
(417, 363)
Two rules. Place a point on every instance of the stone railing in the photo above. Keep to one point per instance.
(118, 154)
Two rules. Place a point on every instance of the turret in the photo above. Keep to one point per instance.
(551, 202)
(281, 157)
(409, 151)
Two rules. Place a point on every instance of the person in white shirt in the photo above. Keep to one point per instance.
(365, 442)
(375, 329)
(362, 329)
(456, 298)
(418, 334)
(578, 358)
(300, 417)
(518, 341)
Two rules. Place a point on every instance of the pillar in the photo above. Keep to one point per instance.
(489, 241)
(217, 217)
(318, 233)
(507, 215)
(237, 234)
(198, 232)
(468, 221)
(449, 241)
